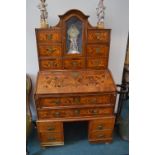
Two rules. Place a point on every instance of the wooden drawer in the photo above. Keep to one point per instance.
(46, 137)
(96, 35)
(49, 126)
(47, 64)
(97, 63)
(48, 35)
(74, 112)
(50, 50)
(101, 124)
(78, 100)
(97, 50)
(100, 135)
(74, 63)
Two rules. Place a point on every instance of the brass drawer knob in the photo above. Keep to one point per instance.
(57, 114)
(98, 50)
(51, 138)
(77, 100)
(49, 36)
(57, 101)
(100, 136)
(94, 111)
(77, 111)
(100, 127)
(51, 50)
(74, 63)
(51, 128)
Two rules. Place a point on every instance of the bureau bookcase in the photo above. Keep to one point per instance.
(74, 82)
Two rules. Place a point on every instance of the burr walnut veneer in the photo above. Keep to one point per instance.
(74, 87)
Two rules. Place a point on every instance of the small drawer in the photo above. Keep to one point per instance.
(50, 64)
(102, 124)
(95, 35)
(50, 50)
(98, 50)
(101, 111)
(78, 100)
(46, 137)
(97, 63)
(74, 63)
(58, 101)
(54, 113)
(74, 112)
(49, 126)
(48, 35)
(102, 99)
(100, 135)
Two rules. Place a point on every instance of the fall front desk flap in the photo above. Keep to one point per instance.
(86, 81)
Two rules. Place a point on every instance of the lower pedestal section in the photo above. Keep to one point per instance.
(51, 132)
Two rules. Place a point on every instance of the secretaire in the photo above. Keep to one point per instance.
(74, 82)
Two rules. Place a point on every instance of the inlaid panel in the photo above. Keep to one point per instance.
(96, 35)
(74, 63)
(48, 35)
(50, 50)
(97, 50)
(97, 63)
(48, 64)
(86, 81)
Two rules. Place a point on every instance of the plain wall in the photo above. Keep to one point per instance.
(116, 18)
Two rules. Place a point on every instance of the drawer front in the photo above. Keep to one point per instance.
(50, 50)
(74, 63)
(102, 124)
(101, 135)
(50, 64)
(97, 50)
(49, 126)
(99, 36)
(76, 112)
(78, 100)
(46, 137)
(49, 35)
(97, 63)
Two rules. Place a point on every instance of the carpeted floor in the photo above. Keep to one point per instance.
(76, 143)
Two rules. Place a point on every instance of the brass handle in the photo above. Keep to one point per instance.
(94, 111)
(100, 136)
(94, 100)
(57, 102)
(49, 36)
(57, 114)
(74, 63)
(51, 50)
(77, 111)
(50, 63)
(98, 36)
(77, 100)
(51, 128)
(51, 138)
(100, 127)
(98, 50)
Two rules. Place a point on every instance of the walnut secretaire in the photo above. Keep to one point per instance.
(74, 83)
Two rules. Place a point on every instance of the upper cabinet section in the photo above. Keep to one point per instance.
(74, 42)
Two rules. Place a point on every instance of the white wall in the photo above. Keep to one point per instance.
(116, 18)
